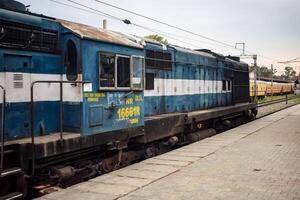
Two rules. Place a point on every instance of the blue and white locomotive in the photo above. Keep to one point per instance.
(80, 101)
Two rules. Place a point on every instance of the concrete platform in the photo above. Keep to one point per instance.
(258, 160)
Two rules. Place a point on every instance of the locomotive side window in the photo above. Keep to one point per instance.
(71, 61)
(107, 70)
(123, 71)
(224, 85)
(158, 60)
(150, 58)
(229, 85)
(137, 72)
(168, 61)
(149, 81)
(120, 71)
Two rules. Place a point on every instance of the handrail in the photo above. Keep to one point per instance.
(32, 113)
(2, 125)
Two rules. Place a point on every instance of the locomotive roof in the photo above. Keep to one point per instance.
(99, 34)
(179, 48)
(187, 50)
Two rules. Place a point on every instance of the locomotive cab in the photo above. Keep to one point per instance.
(113, 72)
(51, 51)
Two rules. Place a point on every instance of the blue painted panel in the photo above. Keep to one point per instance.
(117, 112)
(95, 115)
(46, 114)
(17, 62)
(72, 116)
(42, 63)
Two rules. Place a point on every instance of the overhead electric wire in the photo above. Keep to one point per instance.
(290, 61)
(126, 21)
(100, 13)
(78, 8)
(108, 15)
(294, 59)
(164, 23)
(178, 28)
(165, 34)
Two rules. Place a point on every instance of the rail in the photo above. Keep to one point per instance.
(284, 99)
(61, 112)
(2, 126)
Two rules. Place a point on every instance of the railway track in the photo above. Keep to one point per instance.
(285, 99)
(269, 107)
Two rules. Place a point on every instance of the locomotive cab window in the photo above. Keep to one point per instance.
(137, 72)
(107, 70)
(123, 71)
(150, 81)
(71, 61)
(226, 85)
(120, 71)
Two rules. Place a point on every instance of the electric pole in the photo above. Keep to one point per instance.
(272, 81)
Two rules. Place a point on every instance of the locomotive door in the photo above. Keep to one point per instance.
(162, 83)
(72, 93)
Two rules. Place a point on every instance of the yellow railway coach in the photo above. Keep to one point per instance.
(267, 88)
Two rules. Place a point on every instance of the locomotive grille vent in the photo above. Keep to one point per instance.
(18, 80)
(18, 84)
(27, 37)
(18, 77)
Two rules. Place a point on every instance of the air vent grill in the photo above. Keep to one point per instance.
(18, 80)
(18, 84)
(18, 77)
(21, 36)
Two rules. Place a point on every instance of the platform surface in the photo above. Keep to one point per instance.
(258, 160)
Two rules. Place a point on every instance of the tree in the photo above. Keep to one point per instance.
(289, 73)
(157, 38)
(262, 71)
(265, 72)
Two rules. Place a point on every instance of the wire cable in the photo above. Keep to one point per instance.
(78, 8)
(166, 24)
(126, 21)
(178, 28)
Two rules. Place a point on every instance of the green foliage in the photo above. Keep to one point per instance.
(262, 71)
(289, 73)
(157, 38)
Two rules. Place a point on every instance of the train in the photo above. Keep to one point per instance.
(78, 101)
(267, 88)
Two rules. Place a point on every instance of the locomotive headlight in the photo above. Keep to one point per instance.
(200, 125)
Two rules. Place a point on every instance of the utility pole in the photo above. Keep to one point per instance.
(242, 43)
(255, 77)
(272, 81)
(244, 55)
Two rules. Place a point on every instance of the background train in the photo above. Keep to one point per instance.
(79, 101)
(267, 88)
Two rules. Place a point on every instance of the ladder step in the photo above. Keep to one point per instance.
(11, 196)
(11, 171)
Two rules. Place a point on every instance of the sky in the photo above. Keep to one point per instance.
(269, 28)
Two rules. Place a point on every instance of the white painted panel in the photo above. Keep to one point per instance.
(168, 87)
(42, 91)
